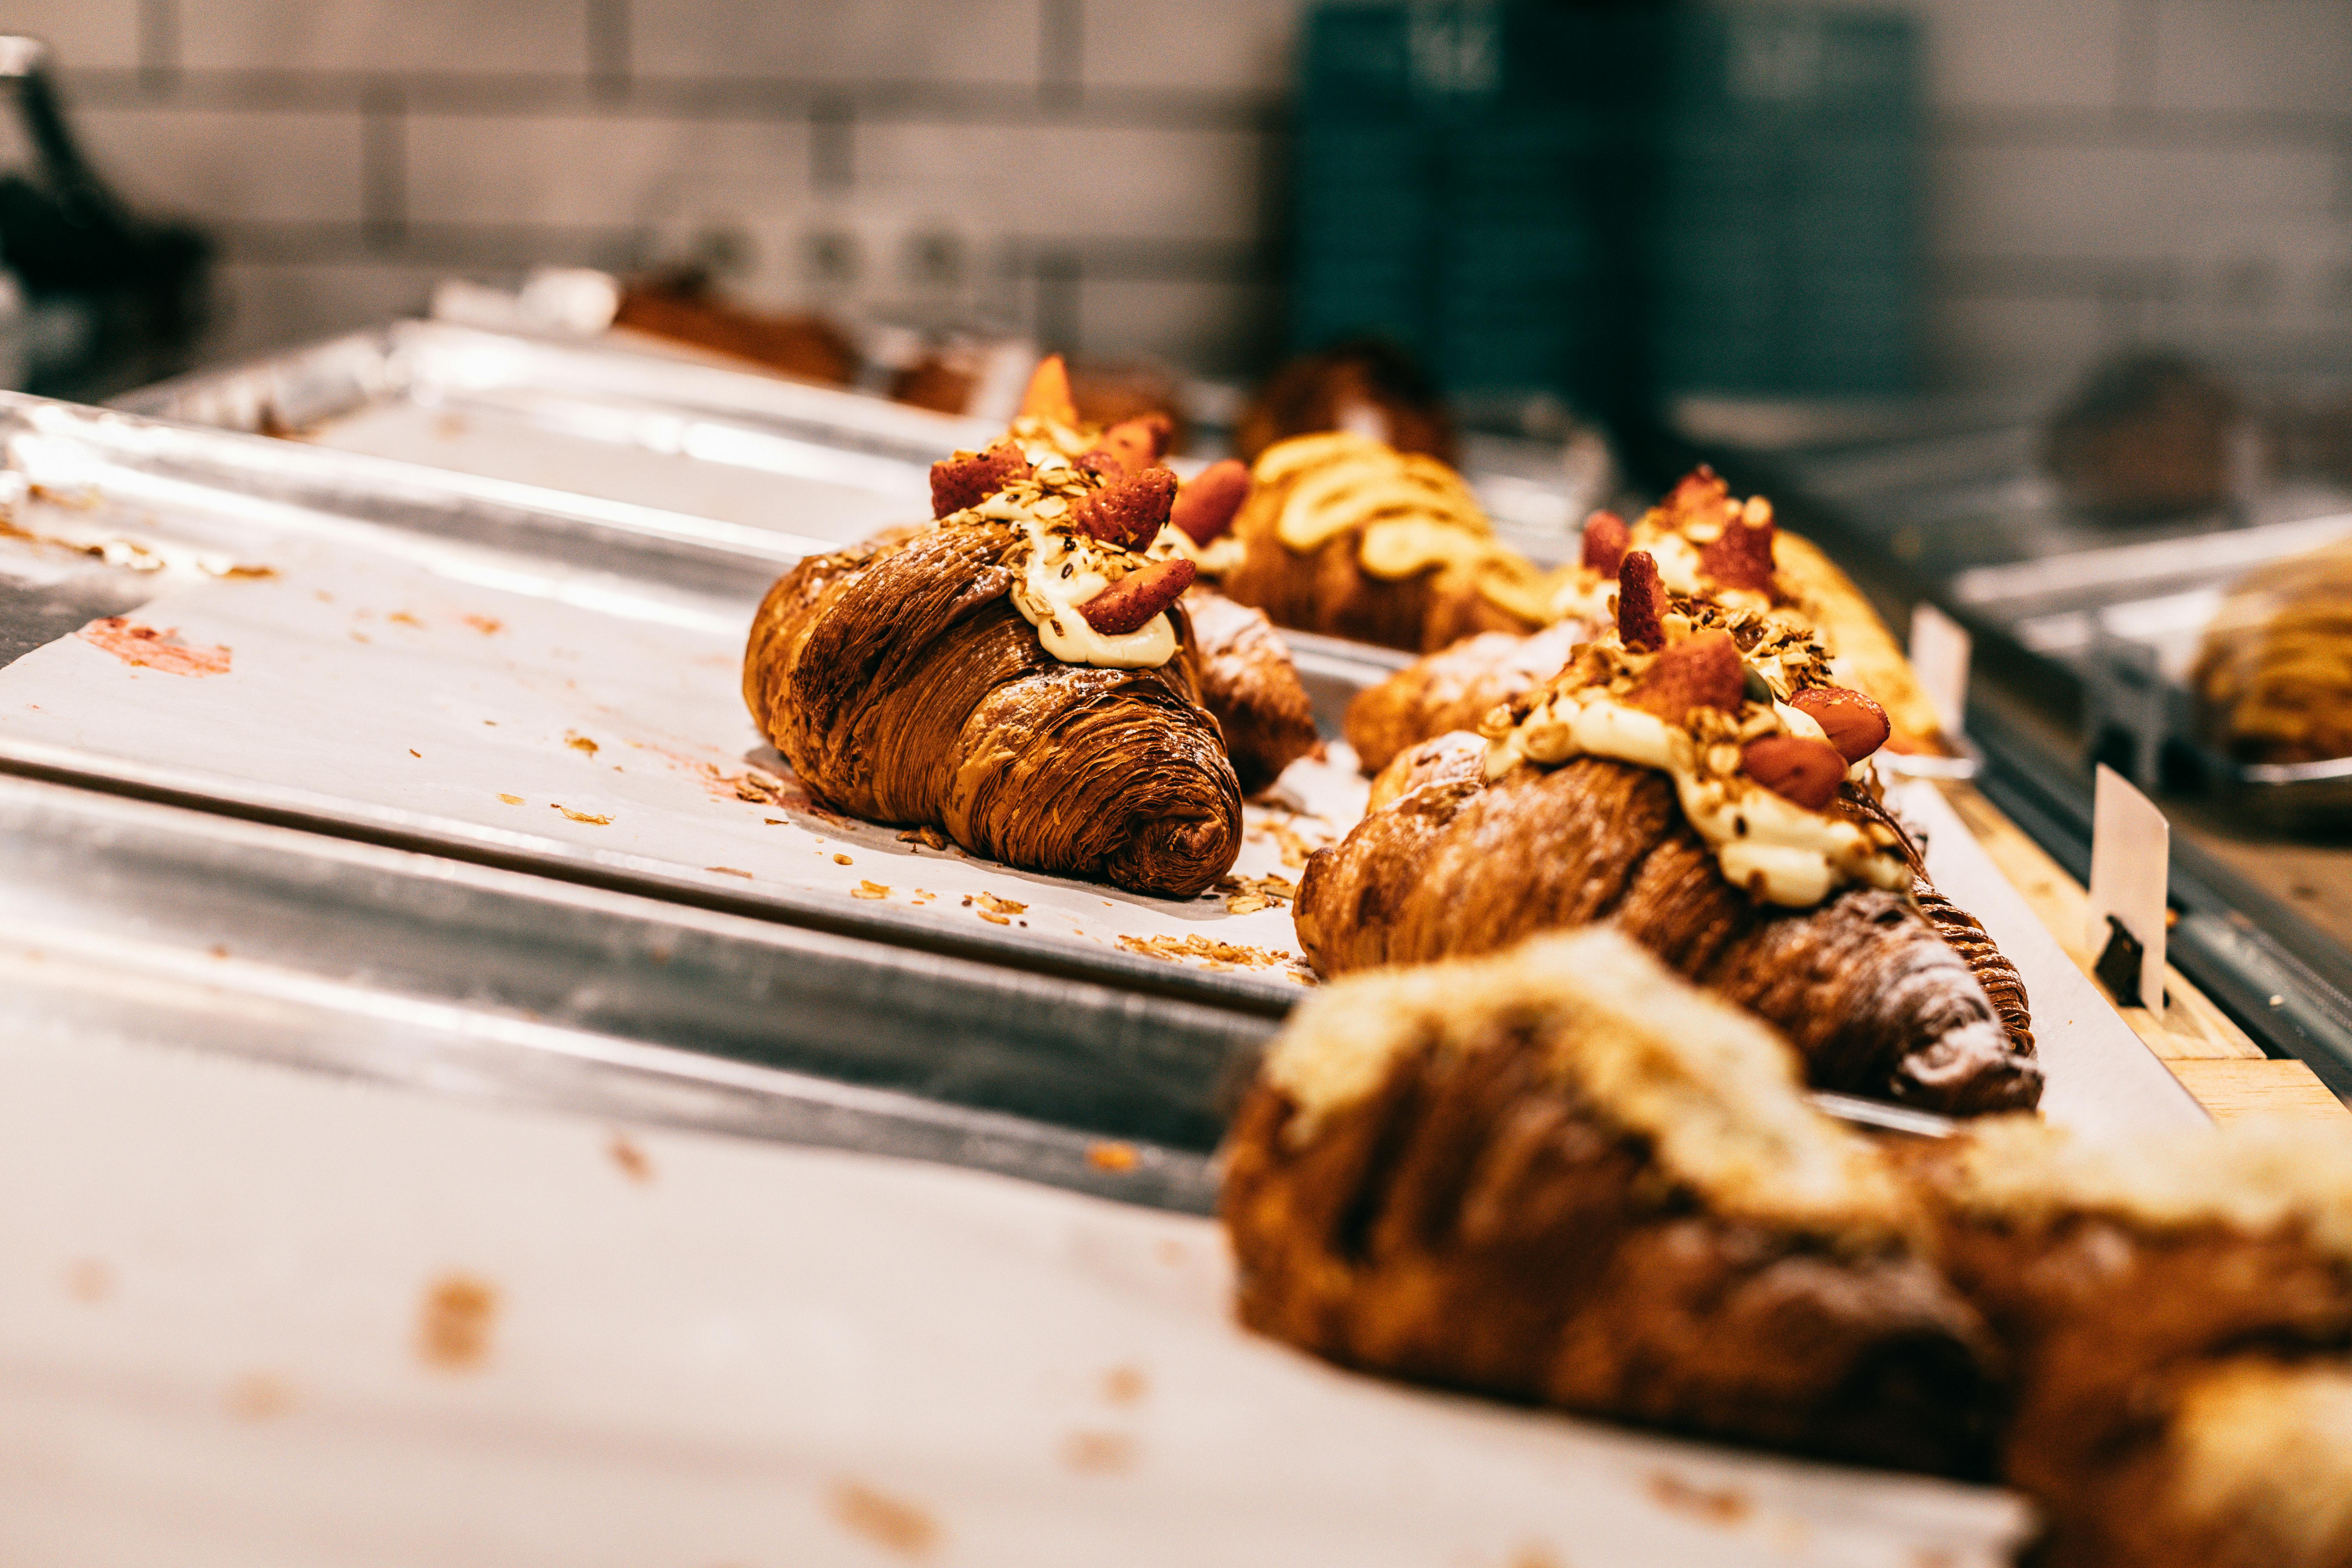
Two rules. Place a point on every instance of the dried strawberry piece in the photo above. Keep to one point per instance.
(1698, 496)
(1703, 672)
(1128, 513)
(1605, 537)
(966, 479)
(1641, 603)
(1048, 395)
(1205, 507)
(1134, 444)
(1129, 605)
(1741, 556)
(1853, 721)
(1796, 768)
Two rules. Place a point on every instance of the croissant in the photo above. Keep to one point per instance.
(945, 679)
(1560, 1174)
(1344, 535)
(2273, 678)
(1454, 688)
(1248, 682)
(2178, 1312)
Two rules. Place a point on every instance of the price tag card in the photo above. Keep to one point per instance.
(1939, 657)
(2131, 847)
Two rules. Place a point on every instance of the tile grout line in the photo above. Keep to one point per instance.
(609, 49)
(159, 46)
(383, 171)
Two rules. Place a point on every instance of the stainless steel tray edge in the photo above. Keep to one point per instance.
(454, 976)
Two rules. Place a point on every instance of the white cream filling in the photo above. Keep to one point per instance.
(1062, 572)
(1222, 554)
(1582, 595)
(1773, 847)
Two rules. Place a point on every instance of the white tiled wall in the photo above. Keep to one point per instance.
(2103, 170)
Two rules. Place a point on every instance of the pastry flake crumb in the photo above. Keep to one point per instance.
(579, 742)
(90, 1281)
(404, 619)
(1003, 906)
(1295, 846)
(242, 572)
(926, 836)
(1109, 1155)
(992, 918)
(583, 816)
(775, 821)
(488, 626)
(144, 648)
(887, 1521)
(728, 872)
(258, 1396)
(1207, 949)
(1724, 1506)
(870, 890)
(1099, 1453)
(1248, 895)
(631, 1159)
(510, 799)
(840, 859)
(453, 1329)
(1125, 1384)
(417, 755)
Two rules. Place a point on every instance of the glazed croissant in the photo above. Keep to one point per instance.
(903, 685)
(1560, 1175)
(1343, 535)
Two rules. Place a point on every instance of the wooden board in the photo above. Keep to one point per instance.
(2212, 1057)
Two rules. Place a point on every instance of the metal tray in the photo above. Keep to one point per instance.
(125, 917)
(533, 679)
(740, 446)
(2129, 620)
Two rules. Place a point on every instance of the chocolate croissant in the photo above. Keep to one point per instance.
(2178, 1312)
(1562, 1175)
(1875, 1001)
(1344, 535)
(904, 684)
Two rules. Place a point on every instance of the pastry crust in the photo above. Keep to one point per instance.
(1561, 1175)
(1873, 997)
(1248, 682)
(902, 686)
(2179, 1311)
(1454, 688)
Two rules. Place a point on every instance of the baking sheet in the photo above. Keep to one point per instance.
(512, 704)
(757, 450)
(261, 1318)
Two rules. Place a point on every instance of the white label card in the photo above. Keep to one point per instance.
(2131, 847)
(1939, 657)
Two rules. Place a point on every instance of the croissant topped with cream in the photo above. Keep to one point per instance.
(1695, 794)
(1023, 677)
(1344, 535)
(1709, 550)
